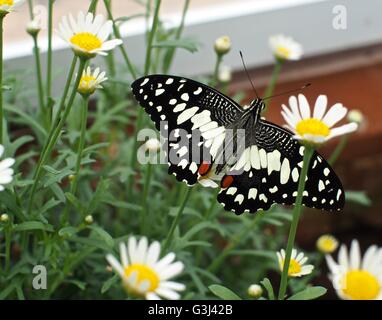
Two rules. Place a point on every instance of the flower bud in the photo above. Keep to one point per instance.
(255, 291)
(34, 27)
(222, 45)
(71, 177)
(89, 219)
(4, 217)
(356, 116)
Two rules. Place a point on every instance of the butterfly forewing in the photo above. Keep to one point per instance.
(186, 109)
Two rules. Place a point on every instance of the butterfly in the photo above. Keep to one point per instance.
(266, 162)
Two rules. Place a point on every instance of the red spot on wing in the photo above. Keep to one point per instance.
(204, 168)
(226, 181)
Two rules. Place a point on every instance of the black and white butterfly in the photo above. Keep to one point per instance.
(267, 169)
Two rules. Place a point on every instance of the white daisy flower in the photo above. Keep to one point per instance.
(297, 266)
(317, 128)
(355, 277)
(7, 6)
(6, 172)
(327, 243)
(143, 273)
(88, 35)
(285, 48)
(91, 80)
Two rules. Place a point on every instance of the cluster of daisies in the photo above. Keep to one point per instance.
(354, 277)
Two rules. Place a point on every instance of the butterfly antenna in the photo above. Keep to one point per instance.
(290, 91)
(248, 76)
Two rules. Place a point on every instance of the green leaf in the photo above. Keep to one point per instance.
(187, 44)
(127, 18)
(309, 293)
(110, 282)
(33, 225)
(268, 286)
(359, 197)
(106, 237)
(223, 292)
(67, 232)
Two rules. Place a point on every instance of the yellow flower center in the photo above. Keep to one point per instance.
(294, 267)
(144, 273)
(6, 2)
(283, 52)
(361, 285)
(86, 41)
(312, 126)
(87, 81)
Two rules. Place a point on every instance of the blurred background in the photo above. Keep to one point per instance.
(342, 44)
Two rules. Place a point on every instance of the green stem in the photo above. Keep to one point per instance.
(30, 9)
(272, 83)
(118, 35)
(168, 59)
(81, 144)
(56, 133)
(215, 79)
(152, 36)
(338, 150)
(49, 61)
(1, 77)
(40, 87)
(236, 239)
(8, 236)
(296, 216)
(175, 222)
(146, 71)
(93, 6)
(146, 188)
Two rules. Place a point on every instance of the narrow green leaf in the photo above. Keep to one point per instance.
(109, 283)
(268, 286)
(223, 292)
(106, 237)
(187, 44)
(33, 225)
(359, 197)
(309, 293)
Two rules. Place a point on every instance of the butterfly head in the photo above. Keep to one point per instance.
(257, 105)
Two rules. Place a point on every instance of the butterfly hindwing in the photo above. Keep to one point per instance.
(268, 172)
(182, 109)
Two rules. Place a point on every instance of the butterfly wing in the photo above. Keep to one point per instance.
(268, 172)
(182, 109)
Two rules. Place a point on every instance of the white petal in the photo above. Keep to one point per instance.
(131, 247)
(304, 106)
(173, 285)
(294, 252)
(165, 261)
(152, 296)
(332, 265)
(97, 23)
(294, 107)
(172, 270)
(111, 44)
(345, 129)
(105, 30)
(343, 257)
(355, 255)
(369, 257)
(141, 250)
(115, 265)
(320, 106)
(153, 253)
(123, 254)
(335, 114)
(167, 294)
(6, 163)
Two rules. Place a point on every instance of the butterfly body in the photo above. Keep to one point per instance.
(210, 138)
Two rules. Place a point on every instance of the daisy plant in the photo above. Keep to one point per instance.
(6, 172)
(87, 36)
(283, 48)
(355, 277)
(312, 130)
(144, 274)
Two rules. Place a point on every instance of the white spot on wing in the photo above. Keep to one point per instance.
(295, 174)
(239, 198)
(321, 185)
(186, 114)
(198, 91)
(169, 81)
(252, 193)
(185, 97)
(144, 81)
(180, 107)
(285, 171)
